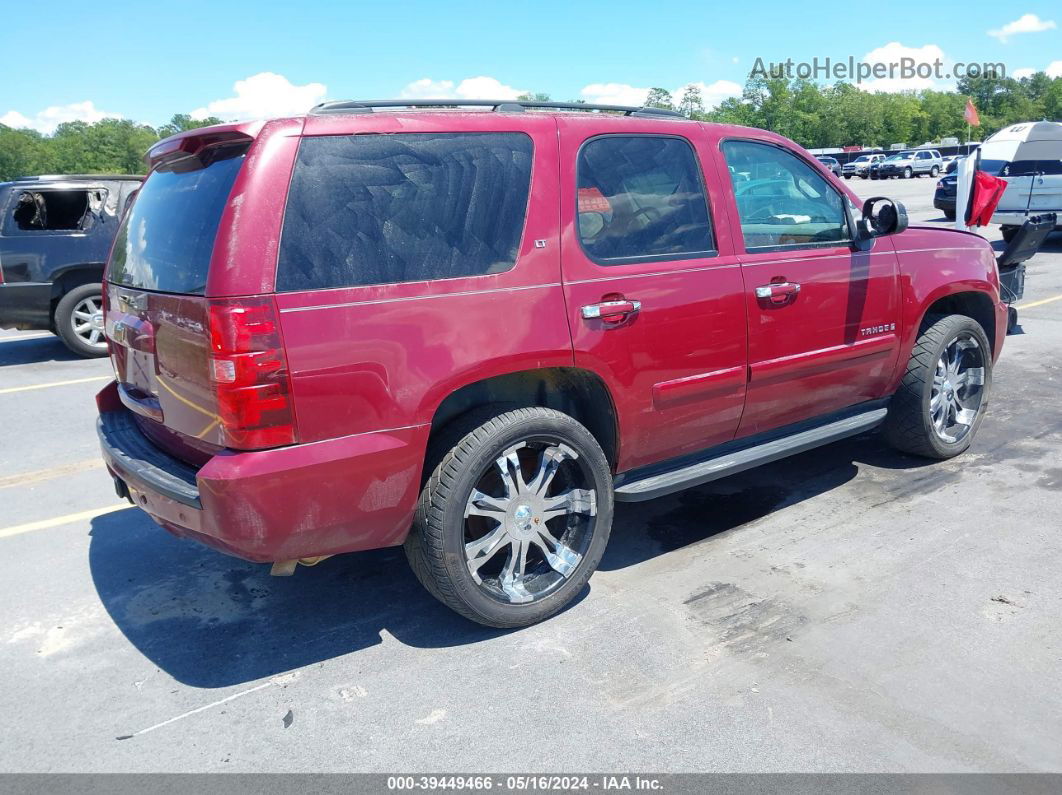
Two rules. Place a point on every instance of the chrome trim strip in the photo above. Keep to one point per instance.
(416, 298)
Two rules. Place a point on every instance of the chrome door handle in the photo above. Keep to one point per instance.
(611, 310)
(778, 292)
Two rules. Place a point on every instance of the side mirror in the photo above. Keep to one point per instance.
(882, 216)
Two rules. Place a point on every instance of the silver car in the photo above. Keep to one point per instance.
(912, 163)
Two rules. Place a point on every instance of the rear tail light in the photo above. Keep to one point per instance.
(250, 374)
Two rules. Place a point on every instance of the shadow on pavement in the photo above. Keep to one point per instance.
(35, 349)
(210, 620)
(643, 530)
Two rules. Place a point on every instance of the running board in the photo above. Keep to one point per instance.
(725, 464)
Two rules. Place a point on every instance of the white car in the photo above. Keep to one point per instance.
(1029, 157)
(860, 167)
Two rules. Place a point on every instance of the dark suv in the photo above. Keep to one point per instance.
(55, 234)
(471, 330)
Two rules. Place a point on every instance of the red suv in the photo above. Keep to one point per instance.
(471, 330)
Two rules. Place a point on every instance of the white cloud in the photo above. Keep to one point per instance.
(1026, 23)
(51, 117)
(1054, 69)
(893, 56)
(712, 93)
(613, 94)
(481, 87)
(264, 95)
(1018, 74)
(623, 94)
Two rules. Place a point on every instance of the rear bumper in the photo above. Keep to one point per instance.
(944, 202)
(1017, 218)
(26, 305)
(342, 495)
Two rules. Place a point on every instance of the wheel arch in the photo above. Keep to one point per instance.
(971, 303)
(580, 393)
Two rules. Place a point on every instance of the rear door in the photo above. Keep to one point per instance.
(652, 284)
(822, 316)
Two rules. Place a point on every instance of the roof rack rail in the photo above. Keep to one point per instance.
(496, 105)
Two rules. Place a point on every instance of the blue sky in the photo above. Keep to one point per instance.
(241, 59)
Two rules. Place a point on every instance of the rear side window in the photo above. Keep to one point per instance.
(380, 209)
(166, 239)
(641, 198)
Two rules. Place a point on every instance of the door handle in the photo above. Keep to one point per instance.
(778, 292)
(612, 311)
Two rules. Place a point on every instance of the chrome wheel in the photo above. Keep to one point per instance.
(958, 388)
(529, 521)
(87, 321)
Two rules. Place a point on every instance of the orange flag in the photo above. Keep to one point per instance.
(970, 114)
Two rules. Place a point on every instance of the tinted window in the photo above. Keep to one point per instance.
(166, 239)
(379, 209)
(781, 200)
(641, 197)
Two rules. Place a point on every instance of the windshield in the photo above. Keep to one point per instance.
(167, 238)
(862, 159)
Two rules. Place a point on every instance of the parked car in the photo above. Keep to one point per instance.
(944, 195)
(54, 238)
(471, 331)
(830, 163)
(860, 167)
(913, 163)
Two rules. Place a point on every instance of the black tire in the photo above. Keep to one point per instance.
(1008, 232)
(847, 176)
(436, 543)
(934, 171)
(864, 176)
(64, 321)
(908, 173)
(949, 214)
(909, 425)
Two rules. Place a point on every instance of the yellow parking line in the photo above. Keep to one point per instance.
(28, 337)
(13, 389)
(58, 521)
(1039, 303)
(38, 475)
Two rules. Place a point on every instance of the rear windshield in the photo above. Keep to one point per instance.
(166, 239)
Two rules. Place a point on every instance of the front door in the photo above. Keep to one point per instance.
(822, 315)
(652, 285)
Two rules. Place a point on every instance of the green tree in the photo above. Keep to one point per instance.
(691, 105)
(182, 122)
(23, 153)
(659, 98)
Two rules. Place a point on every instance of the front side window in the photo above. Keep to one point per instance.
(641, 197)
(382, 209)
(781, 200)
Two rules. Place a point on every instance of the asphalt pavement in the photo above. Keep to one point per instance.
(849, 609)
